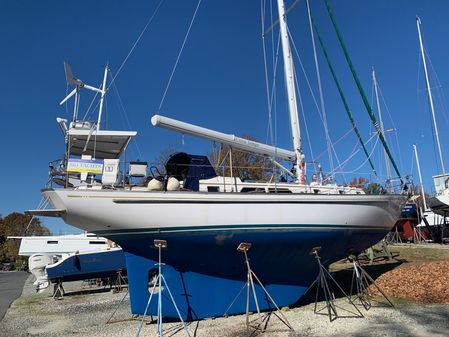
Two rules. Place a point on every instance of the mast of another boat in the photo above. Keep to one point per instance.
(429, 93)
(387, 161)
(420, 178)
(291, 93)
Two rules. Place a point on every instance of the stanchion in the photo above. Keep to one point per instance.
(160, 282)
(322, 283)
(250, 290)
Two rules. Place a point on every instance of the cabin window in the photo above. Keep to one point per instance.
(52, 242)
(97, 242)
(279, 190)
(213, 189)
(247, 189)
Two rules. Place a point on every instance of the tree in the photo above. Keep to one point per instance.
(17, 224)
(163, 156)
(247, 166)
(359, 182)
(373, 188)
(366, 185)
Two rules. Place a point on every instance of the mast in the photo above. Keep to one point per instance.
(381, 124)
(291, 93)
(429, 92)
(420, 178)
(103, 92)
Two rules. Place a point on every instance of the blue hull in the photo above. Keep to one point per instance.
(88, 265)
(205, 272)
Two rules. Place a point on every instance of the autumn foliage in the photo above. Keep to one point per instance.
(17, 224)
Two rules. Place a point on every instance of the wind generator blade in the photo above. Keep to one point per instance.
(69, 76)
(93, 88)
(73, 92)
(91, 131)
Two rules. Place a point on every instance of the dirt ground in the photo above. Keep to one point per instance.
(414, 273)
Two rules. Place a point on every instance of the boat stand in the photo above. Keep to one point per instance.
(161, 284)
(323, 282)
(394, 237)
(362, 281)
(120, 281)
(250, 290)
(58, 290)
(418, 236)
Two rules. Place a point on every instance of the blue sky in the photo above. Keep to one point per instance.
(219, 82)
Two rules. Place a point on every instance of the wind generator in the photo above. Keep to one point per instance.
(72, 80)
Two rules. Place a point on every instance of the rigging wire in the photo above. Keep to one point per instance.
(335, 143)
(273, 97)
(436, 147)
(267, 87)
(311, 92)
(274, 60)
(342, 96)
(88, 111)
(320, 89)
(179, 55)
(412, 167)
(367, 159)
(438, 90)
(395, 129)
(354, 151)
(125, 59)
(304, 119)
(359, 86)
(124, 114)
(270, 124)
(135, 43)
(380, 172)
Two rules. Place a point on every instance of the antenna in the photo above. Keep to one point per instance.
(72, 80)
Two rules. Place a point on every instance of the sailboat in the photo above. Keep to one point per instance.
(204, 217)
(440, 203)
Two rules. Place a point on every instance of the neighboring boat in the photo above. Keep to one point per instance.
(46, 250)
(87, 265)
(204, 217)
(440, 203)
(59, 245)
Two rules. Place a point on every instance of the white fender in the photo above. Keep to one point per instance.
(173, 184)
(155, 185)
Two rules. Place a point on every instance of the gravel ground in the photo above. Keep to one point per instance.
(85, 313)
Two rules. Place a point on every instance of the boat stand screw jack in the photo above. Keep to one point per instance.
(162, 285)
(363, 281)
(244, 247)
(323, 282)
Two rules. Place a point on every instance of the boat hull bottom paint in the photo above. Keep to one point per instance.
(197, 295)
(205, 272)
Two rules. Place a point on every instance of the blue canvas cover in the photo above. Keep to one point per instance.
(189, 168)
